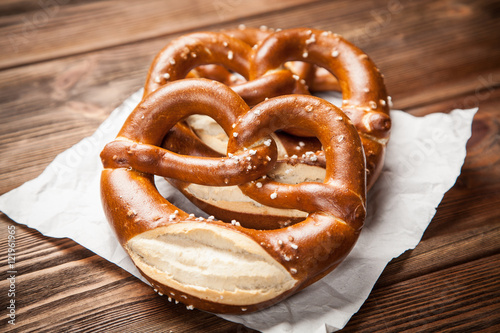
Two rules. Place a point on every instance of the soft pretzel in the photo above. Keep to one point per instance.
(224, 267)
(191, 51)
(364, 100)
(363, 91)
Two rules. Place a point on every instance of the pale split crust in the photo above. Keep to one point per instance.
(211, 263)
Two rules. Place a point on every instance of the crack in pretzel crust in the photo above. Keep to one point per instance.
(291, 169)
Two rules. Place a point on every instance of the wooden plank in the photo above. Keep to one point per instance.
(36, 35)
(436, 56)
(80, 91)
(485, 59)
(463, 298)
(114, 297)
(452, 239)
(437, 252)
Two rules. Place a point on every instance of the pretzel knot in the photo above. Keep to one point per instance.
(224, 267)
(259, 65)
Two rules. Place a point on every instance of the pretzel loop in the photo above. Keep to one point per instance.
(343, 191)
(137, 143)
(361, 83)
(190, 51)
(217, 266)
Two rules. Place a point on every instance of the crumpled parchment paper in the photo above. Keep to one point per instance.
(423, 161)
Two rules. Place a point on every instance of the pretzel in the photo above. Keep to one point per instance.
(223, 267)
(191, 51)
(365, 101)
(363, 90)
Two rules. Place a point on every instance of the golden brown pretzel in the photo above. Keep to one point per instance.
(363, 90)
(365, 100)
(223, 267)
(364, 94)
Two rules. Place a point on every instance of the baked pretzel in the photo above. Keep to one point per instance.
(363, 91)
(191, 51)
(364, 100)
(224, 267)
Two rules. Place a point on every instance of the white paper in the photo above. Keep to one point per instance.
(424, 158)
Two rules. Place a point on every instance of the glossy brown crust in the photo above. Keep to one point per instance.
(216, 73)
(191, 51)
(213, 171)
(137, 144)
(308, 249)
(308, 52)
(315, 78)
(364, 95)
(363, 90)
(187, 52)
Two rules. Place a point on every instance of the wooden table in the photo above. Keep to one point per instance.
(65, 65)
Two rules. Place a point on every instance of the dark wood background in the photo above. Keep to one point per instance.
(66, 64)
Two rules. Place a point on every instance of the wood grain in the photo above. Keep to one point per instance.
(83, 89)
(453, 299)
(35, 34)
(69, 73)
